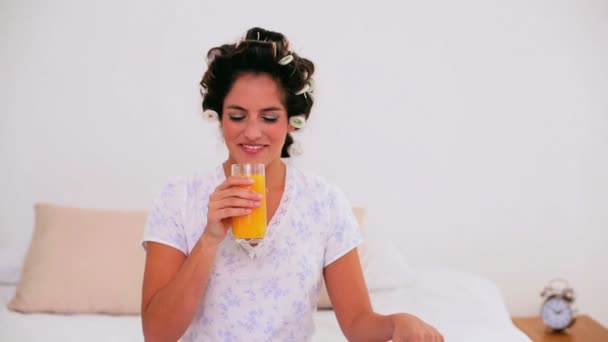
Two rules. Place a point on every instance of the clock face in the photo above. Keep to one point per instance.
(556, 313)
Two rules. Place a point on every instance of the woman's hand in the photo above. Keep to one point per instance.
(231, 198)
(408, 328)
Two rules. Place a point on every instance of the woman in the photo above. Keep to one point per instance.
(199, 284)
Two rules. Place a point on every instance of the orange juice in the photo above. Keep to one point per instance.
(252, 225)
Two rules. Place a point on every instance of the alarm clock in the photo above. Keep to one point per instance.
(557, 310)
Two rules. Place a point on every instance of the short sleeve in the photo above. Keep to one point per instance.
(344, 233)
(165, 219)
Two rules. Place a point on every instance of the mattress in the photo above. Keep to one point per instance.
(463, 306)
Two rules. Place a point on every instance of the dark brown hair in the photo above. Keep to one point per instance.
(258, 53)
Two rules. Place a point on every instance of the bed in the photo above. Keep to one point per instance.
(463, 306)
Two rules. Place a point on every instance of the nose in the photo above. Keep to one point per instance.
(253, 130)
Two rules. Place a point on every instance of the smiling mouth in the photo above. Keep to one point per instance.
(252, 148)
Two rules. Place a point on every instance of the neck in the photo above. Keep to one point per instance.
(275, 173)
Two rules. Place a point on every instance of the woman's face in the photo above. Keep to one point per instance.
(254, 120)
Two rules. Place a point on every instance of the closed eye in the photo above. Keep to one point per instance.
(236, 117)
(270, 119)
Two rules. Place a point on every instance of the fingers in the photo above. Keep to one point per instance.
(431, 335)
(234, 202)
(436, 335)
(231, 212)
(420, 337)
(419, 333)
(231, 199)
(229, 207)
(234, 181)
(234, 193)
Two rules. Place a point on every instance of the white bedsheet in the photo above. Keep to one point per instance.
(463, 306)
(16, 327)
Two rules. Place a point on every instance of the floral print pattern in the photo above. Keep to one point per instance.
(273, 295)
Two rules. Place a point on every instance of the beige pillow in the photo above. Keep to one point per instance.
(83, 261)
(324, 302)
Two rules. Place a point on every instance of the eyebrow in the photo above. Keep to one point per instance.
(267, 109)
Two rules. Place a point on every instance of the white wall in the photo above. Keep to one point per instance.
(475, 132)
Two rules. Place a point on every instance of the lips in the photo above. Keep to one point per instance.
(252, 148)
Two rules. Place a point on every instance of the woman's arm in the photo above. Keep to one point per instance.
(173, 288)
(350, 299)
(174, 285)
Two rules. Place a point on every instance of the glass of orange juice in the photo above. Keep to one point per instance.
(251, 227)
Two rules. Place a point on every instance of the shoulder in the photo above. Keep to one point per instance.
(193, 185)
(315, 185)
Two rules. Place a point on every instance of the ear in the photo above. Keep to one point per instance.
(290, 128)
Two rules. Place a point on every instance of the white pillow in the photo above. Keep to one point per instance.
(384, 266)
(11, 261)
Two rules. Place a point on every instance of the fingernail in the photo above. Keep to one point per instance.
(258, 196)
(256, 204)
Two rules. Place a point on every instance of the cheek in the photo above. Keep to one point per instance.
(230, 129)
(277, 132)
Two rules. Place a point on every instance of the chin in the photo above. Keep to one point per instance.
(255, 160)
(249, 160)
